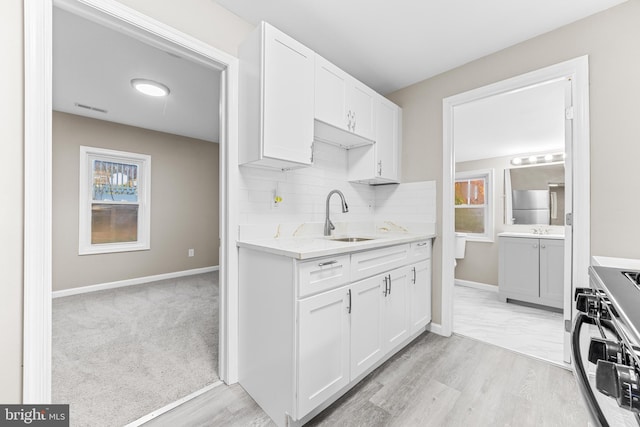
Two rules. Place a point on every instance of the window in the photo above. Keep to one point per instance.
(114, 201)
(474, 204)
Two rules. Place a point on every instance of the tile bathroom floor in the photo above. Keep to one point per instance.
(536, 332)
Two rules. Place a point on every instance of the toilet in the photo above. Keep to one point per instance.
(461, 244)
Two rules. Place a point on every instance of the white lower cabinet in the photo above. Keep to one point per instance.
(366, 324)
(334, 336)
(396, 316)
(420, 295)
(323, 347)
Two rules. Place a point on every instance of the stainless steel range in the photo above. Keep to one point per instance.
(606, 345)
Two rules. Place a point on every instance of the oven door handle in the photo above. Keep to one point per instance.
(581, 373)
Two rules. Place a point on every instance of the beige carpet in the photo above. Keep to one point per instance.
(120, 354)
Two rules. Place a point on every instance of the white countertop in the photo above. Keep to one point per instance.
(314, 247)
(605, 261)
(531, 235)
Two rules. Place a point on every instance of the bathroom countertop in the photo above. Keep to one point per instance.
(531, 235)
(314, 247)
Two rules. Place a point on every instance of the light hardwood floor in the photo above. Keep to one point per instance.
(435, 381)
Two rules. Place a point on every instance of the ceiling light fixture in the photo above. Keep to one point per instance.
(149, 87)
(536, 159)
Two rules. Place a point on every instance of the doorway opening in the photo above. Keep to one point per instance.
(509, 219)
(133, 330)
(38, 175)
(576, 151)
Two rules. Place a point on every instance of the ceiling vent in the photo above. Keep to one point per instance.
(89, 107)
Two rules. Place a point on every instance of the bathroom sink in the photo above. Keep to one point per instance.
(351, 239)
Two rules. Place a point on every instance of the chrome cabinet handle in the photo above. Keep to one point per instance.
(389, 284)
(385, 286)
(422, 244)
(379, 167)
(351, 124)
(414, 275)
(535, 246)
(542, 246)
(349, 306)
(322, 264)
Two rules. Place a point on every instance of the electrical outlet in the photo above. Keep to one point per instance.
(191, 252)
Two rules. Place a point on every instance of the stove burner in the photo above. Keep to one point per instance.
(634, 276)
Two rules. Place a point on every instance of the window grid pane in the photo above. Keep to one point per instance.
(476, 192)
(462, 192)
(112, 181)
(470, 220)
(112, 223)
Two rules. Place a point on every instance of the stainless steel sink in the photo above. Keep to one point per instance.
(351, 239)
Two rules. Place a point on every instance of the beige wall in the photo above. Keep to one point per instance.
(203, 19)
(612, 41)
(184, 202)
(11, 211)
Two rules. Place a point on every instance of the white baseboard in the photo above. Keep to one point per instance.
(476, 285)
(130, 282)
(436, 328)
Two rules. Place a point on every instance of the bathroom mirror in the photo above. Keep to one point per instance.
(534, 195)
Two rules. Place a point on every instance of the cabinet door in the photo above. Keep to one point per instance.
(361, 105)
(386, 145)
(552, 272)
(420, 300)
(330, 93)
(366, 324)
(323, 347)
(288, 98)
(518, 270)
(396, 314)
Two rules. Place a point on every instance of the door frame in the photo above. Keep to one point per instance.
(38, 177)
(576, 274)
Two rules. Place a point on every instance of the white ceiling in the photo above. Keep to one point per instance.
(525, 121)
(390, 44)
(94, 65)
(386, 44)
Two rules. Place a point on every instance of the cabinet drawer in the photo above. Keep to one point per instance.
(421, 250)
(322, 274)
(369, 263)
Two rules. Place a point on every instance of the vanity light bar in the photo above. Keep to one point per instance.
(536, 159)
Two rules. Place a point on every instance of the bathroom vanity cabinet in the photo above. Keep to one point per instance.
(531, 269)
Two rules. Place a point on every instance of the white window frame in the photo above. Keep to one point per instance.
(489, 219)
(143, 161)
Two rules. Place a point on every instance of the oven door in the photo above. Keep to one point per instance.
(604, 410)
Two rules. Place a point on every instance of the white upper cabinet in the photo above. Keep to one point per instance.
(360, 103)
(331, 94)
(380, 163)
(344, 107)
(290, 97)
(276, 100)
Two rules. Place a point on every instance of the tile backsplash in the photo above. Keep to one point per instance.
(303, 194)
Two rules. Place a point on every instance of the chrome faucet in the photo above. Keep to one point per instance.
(328, 225)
